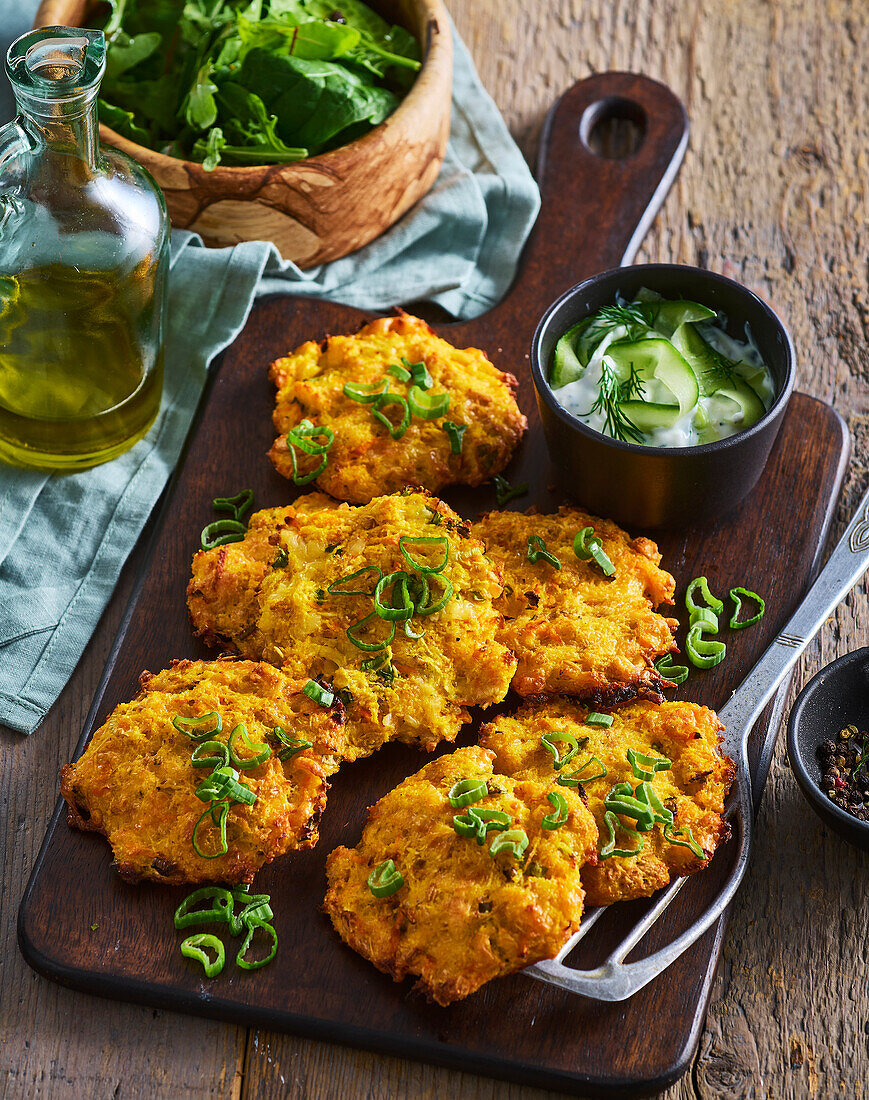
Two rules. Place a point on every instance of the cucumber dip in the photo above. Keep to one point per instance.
(660, 373)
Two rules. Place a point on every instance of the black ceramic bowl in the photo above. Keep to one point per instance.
(660, 486)
(836, 697)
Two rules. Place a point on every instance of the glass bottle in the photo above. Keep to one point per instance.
(83, 263)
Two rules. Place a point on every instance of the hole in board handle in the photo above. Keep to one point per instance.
(613, 128)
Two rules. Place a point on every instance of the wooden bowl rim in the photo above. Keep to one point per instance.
(436, 47)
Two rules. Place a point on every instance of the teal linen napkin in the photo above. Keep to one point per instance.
(64, 538)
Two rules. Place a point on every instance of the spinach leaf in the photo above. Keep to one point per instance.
(312, 41)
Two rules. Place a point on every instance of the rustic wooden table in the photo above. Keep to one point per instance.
(773, 191)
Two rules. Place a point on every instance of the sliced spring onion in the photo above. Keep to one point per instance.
(505, 492)
(385, 880)
(560, 812)
(467, 791)
(706, 617)
(369, 647)
(318, 693)
(365, 393)
(701, 585)
(398, 581)
(646, 767)
(703, 652)
(577, 778)
(197, 729)
(223, 783)
(455, 432)
(439, 541)
(222, 809)
(301, 438)
(220, 911)
(334, 590)
(221, 532)
(594, 718)
(427, 406)
(537, 550)
(549, 742)
(293, 744)
(512, 841)
(646, 793)
(477, 822)
(411, 633)
(676, 674)
(238, 506)
(419, 373)
(425, 608)
(256, 907)
(672, 834)
(737, 595)
(255, 964)
(219, 761)
(621, 800)
(399, 372)
(263, 751)
(609, 849)
(281, 560)
(588, 545)
(194, 947)
(384, 400)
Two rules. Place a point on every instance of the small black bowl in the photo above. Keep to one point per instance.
(661, 486)
(835, 697)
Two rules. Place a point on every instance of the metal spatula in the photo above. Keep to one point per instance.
(615, 979)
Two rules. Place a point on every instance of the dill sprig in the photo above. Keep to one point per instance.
(611, 392)
(720, 367)
(609, 317)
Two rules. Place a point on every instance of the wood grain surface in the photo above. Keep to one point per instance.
(773, 191)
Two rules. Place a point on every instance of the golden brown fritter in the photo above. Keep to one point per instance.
(274, 604)
(693, 789)
(462, 916)
(574, 631)
(364, 460)
(135, 782)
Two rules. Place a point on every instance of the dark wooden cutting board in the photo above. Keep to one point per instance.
(594, 211)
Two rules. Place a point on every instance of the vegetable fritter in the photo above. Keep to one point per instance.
(462, 916)
(574, 631)
(135, 782)
(292, 593)
(365, 461)
(693, 789)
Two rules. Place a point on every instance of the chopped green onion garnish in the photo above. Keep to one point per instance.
(219, 761)
(427, 406)
(676, 674)
(252, 926)
(646, 767)
(622, 800)
(239, 505)
(220, 911)
(194, 948)
(576, 778)
(701, 652)
(701, 585)
(318, 693)
(645, 792)
(466, 792)
(706, 617)
(398, 581)
(420, 541)
(385, 880)
(219, 822)
(559, 817)
(477, 822)
(223, 783)
(419, 373)
(336, 591)
(425, 608)
(221, 532)
(365, 393)
(537, 550)
(513, 841)
(593, 718)
(399, 372)
(301, 438)
(736, 594)
(549, 741)
(504, 491)
(197, 729)
(281, 560)
(263, 751)
(369, 647)
(609, 849)
(587, 545)
(672, 834)
(395, 430)
(455, 433)
(293, 744)
(256, 907)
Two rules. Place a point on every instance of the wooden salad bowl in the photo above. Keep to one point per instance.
(321, 208)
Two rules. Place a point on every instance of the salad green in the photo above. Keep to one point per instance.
(251, 81)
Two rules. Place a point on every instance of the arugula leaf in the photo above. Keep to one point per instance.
(127, 52)
(122, 122)
(200, 109)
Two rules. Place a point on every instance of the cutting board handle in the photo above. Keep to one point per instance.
(596, 209)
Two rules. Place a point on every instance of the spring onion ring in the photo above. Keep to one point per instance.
(365, 393)
(646, 767)
(220, 533)
(219, 822)
(252, 926)
(594, 718)
(737, 595)
(478, 822)
(703, 652)
(672, 834)
(385, 399)
(560, 812)
(319, 694)
(293, 744)
(239, 505)
(220, 911)
(467, 791)
(263, 751)
(549, 740)
(537, 550)
(609, 849)
(439, 541)
(427, 406)
(197, 729)
(588, 545)
(334, 590)
(701, 585)
(576, 777)
(676, 674)
(194, 948)
(399, 372)
(219, 761)
(419, 373)
(369, 647)
(512, 841)
(385, 880)
(455, 432)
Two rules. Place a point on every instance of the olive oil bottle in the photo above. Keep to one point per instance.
(83, 262)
